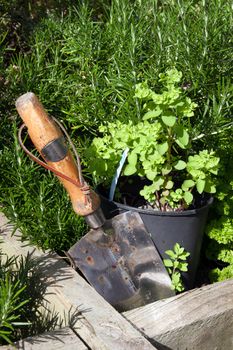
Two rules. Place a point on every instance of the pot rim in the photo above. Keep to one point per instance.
(188, 212)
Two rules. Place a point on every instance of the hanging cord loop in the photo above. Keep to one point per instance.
(85, 188)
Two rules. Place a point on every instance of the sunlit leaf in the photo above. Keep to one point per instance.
(162, 148)
(130, 170)
(180, 165)
(152, 114)
(200, 185)
(188, 197)
(187, 184)
(169, 120)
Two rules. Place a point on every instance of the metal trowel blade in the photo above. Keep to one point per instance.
(121, 262)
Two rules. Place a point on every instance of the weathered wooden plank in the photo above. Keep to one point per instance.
(101, 326)
(61, 339)
(201, 319)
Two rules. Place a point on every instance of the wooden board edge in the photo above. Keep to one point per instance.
(198, 319)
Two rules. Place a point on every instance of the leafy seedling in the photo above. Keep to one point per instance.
(175, 265)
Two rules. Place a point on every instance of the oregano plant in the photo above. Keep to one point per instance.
(175, 265)
(160, 148)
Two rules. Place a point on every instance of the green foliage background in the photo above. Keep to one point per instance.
(83, 62)
(220, 228)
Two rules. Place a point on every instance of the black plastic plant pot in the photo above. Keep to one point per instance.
(168, 228)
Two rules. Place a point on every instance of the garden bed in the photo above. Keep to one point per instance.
(199, 319)
(97, 324)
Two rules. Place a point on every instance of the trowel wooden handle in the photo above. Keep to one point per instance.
(49, 141)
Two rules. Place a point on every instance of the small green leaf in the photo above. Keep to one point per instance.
(176, 277)
(163, 200)
(184, 267)
(152, 114)
(177, 248)
(151, 175)
(166, 170)
(157, 184)
(142, 90)
(130, 170)
(210, 188)
(169, 120)
(169, 184)
(200, 185)
(171, 76)
(180, 165)
(182, 136)
(170, 253)
(181, 251)
(168, 263)
(132, 158)
(165, 193)
(162, 148)
(184, 256)
(188, 197)
(187, 184)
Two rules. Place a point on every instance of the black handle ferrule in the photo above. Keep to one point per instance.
(55, 150)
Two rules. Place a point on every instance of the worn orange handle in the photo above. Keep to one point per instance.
(45, 134)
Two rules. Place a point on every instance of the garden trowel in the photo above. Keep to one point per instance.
(117, 256)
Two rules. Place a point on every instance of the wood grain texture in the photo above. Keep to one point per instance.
(100, 326)
(201, 319)
(41, 128)
(60, 339)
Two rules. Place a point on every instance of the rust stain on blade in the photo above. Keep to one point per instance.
(126, 268)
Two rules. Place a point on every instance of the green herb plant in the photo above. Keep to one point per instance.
(11, 304)
(175, 265)
(220, 227)
(23, 310)
(160, 148)
(103, 48)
